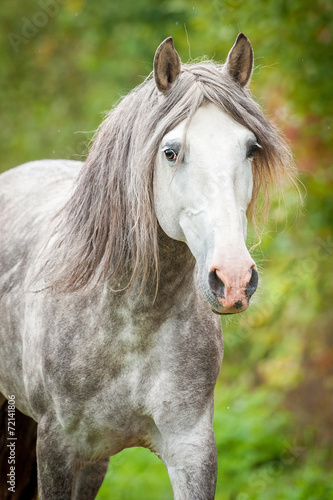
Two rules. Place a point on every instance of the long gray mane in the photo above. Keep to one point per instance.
(108, 229)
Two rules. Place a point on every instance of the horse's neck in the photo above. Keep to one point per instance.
(177, 264)
(176, 279)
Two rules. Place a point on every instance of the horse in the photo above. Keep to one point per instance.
(115, 273)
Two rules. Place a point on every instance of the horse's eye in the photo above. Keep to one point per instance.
(252, 149)
(170, 155)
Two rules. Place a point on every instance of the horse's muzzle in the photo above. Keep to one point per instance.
(233, 294)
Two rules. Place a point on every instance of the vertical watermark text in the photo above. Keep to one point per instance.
(11, 444)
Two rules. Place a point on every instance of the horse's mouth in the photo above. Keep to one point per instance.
(217, 307)
(227, 312)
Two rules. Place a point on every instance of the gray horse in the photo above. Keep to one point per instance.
(112, 270)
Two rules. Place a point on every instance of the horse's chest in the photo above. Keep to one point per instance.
(112, 381)
(99, 395)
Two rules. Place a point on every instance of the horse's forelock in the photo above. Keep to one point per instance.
(108, 228)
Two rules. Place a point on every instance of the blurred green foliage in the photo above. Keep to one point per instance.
(63, 63)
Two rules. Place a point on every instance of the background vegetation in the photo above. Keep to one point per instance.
(63, 63)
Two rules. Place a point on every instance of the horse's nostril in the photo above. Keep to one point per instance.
(252, 284)
(216, 285)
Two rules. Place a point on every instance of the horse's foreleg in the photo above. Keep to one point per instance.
(89, 480)
(191, 460)
(56, 462)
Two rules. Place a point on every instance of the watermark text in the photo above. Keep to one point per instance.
(11, 444)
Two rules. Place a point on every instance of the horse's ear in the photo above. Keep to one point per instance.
(166, 65)
(239, 64)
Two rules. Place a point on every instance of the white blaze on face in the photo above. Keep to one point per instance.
(204, 201)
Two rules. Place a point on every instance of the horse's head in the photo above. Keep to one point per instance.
(203, 185)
